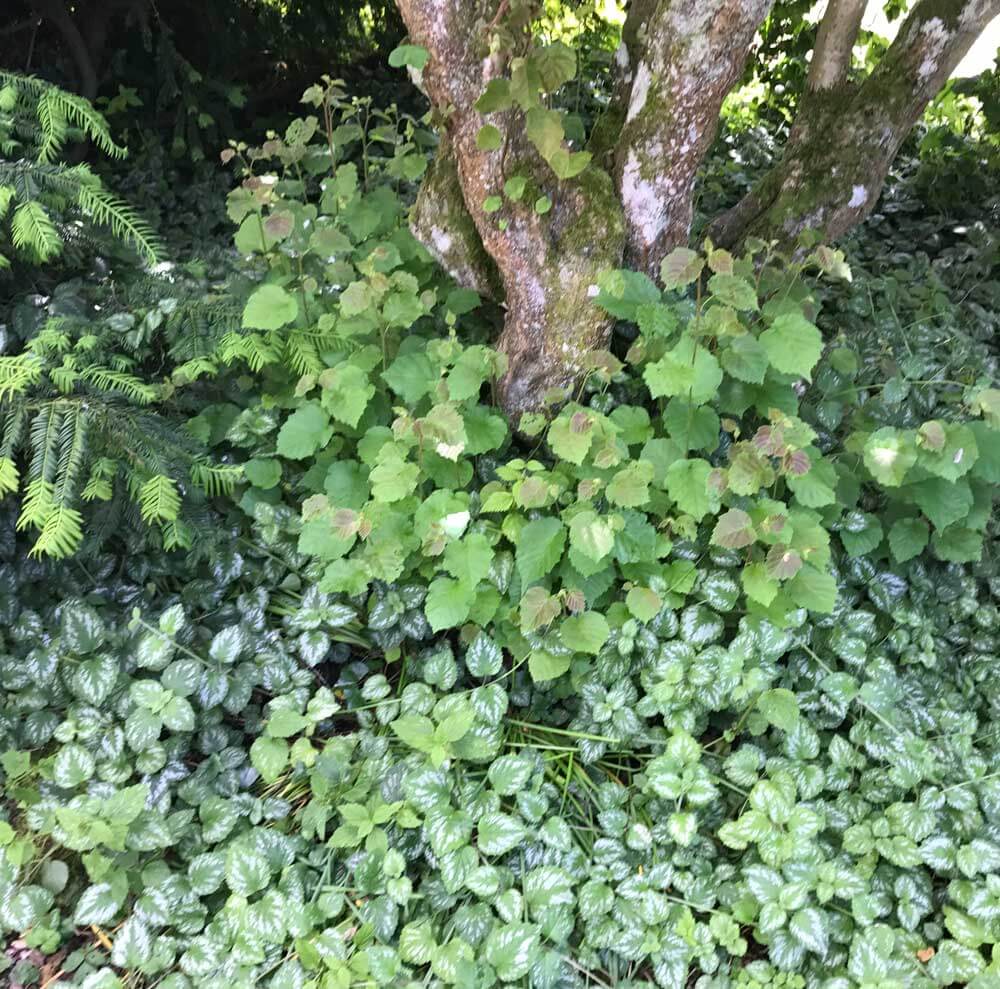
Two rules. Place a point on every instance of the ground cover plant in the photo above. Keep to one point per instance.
(326, 664)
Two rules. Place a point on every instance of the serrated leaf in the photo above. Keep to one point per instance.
(540, 547)
(793, 344)
(269, 308)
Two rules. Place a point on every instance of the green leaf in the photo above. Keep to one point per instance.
(687, 485)
(498, 833)
(888, 455)
(758, 584)
(746, 358)
(629, 488)
(734, 530)
(943, 502)
(544, 666)
(540, 547)
(907, 539)
(468, 560)
(285, 722)
(247, 871)
(813, 589)
(680, 267)
(555, 65)
(591, 534)
(489, 138)
(689, 370)
(269, 308)
(262, 472)
(809, 927)
(496, 97)
(571, 436)
(780, 707)
(793, 344)
(346, 392)
(586, 632)
(73, 765)
(734, 291)
(304, 432)
(269, 756)
(448, 603)
(545, 130)
(643, 603)
(484, 657)
(511, 949)
(393, 480)
(412, 55)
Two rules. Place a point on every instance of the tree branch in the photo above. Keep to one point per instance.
(831, 59)
(690, 54)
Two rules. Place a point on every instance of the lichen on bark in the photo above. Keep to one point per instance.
(845, 136)
(684, 57)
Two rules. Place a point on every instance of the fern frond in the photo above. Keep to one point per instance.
(108, 380)
(125, 224)
(37, 505)
(301, 355)
(43, 437)
(159, 500)
(18, 374)
(194, 369)
(55, 109)
(177, 535)
(99, 486)
(61, 535)
(64, 377)
(10, 476)
(72, 453)
(32, 230)
(216, 479)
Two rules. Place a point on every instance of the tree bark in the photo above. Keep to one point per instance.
(838, 30)
(680, 58)
(846, 135)
(547, 263)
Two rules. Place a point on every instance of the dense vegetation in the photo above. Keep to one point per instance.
(322, 668)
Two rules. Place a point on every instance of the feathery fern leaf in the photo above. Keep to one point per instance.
(159, 500)
(33, 231)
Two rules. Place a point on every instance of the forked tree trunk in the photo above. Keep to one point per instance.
(845, 135)
(678, 61)
(547, 262)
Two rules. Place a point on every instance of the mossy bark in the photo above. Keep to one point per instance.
(678, 60)
(846, 135)
(547, 263)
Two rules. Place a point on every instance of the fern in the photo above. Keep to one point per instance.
(55, 110)
(108, 380)
(33, 232)
(106, 210)
(158, 499)
(36, 121)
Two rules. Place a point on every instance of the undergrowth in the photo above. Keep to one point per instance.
(686, 680)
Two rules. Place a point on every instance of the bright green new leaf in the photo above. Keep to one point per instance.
(269, 308)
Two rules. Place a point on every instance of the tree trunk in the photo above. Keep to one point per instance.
(846, 135)
(680, 61)
(547, 262)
